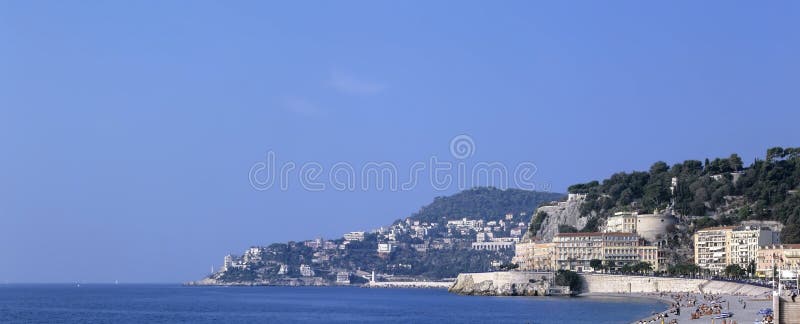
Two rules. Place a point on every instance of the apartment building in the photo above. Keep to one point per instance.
(784, 257)
(574, 251)
(543, 256)
(711, 248)
(718, 247)
(531, 255)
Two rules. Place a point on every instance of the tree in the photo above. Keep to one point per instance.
(734, 271)
(735, 162)
(659, 167)
(596, 264)
(790, 234)
(643, 267)
(563, 228)
(537, 221)
(751, 268)
(569, 278)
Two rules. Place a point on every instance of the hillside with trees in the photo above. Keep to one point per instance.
(486, 203)
(712, 192)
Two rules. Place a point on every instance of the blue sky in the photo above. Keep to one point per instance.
(128, 130)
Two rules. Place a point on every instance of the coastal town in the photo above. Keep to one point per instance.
(631, 239)
(497, 238)
(656, 233)
(629, 243)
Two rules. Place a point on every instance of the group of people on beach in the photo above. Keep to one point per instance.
(658, 318)
(706, 304)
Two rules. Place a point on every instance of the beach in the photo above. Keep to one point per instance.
(744, 309)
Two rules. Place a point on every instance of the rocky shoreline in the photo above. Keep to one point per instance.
(500, 284)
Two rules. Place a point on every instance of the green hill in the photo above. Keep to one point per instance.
(485, 203)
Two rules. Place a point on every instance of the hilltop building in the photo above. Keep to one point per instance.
(621, 222)
(306, 271)
(386, 248)
(343, 278)
(227, 263)
(495, 244)
(651, 227)
(354, 236)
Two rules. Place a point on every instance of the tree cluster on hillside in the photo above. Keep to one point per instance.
(767, 190)
(484, 203)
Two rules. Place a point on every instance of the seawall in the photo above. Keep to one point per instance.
(514, 283)
(409, 284)
(617, 284)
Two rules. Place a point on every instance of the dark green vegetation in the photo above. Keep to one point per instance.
(569, 278)
(636, 268)
(563, 228)
(485, 203)
(536, 222)
(722, 189)
(735, 271)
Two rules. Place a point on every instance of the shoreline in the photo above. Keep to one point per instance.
(663, 300)
(409, 284)
(743, 307)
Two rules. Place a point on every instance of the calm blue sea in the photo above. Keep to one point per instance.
(177, 304)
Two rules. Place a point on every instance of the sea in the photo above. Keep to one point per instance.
(161, 303)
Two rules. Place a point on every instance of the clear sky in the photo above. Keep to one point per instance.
(128, 130)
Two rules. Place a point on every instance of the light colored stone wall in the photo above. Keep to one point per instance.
(598, 283)
(515, 282)
(409, 284)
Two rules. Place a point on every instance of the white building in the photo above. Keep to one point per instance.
(354, 236)
(718, 247)
(493, 246)
(306, 271)
(621, 222)
(386, 247)
(343, 278)
(465, 224)
(228, 263)
(745, 242)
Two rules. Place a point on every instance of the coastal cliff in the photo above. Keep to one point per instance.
(501, 284)
(560, 213)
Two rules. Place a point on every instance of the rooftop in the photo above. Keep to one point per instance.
(717, 228)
